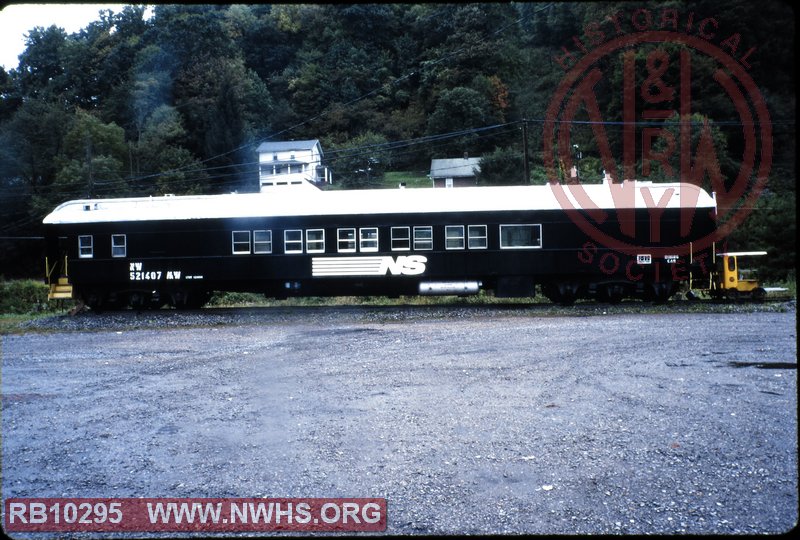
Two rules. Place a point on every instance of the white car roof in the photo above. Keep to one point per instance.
(305, 202)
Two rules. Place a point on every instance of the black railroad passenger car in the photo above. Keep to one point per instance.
(302, 241)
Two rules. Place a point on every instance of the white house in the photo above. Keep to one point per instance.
(291, 163)
(456, 172)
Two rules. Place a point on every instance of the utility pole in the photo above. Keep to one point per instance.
(88, 143)
(525, 152)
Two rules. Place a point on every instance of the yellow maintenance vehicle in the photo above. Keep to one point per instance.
(734, 281)
(731, 280)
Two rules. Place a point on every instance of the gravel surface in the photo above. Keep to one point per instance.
(467, 419)
(242, 316)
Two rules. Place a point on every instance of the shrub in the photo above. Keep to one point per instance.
(23, 296)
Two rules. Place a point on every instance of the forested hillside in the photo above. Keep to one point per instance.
(178, 101)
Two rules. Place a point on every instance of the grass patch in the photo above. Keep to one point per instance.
(13, 323)
(412, 180)
(236, 299)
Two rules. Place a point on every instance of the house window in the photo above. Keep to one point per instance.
(401, 238)
(346, 240)
(118, 245)
(240, 241)
(368, 239)
(448, 182)
(262, 241)
(454, 237)
(476, 236)
(293, 241)
(85, 247)
(423, 238)
(315, 241)
(520, 236)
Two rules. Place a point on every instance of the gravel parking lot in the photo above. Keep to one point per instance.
(467, 420)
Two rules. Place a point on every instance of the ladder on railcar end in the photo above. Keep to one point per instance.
(61, 289)
(706, 282)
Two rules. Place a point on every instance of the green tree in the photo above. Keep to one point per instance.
(360, 162)
(41, 64)
(10, 98)
(92, 160)
(162, 164)
(461, 110)
(771, 227)
(192, 33)
(502, 167)
(225, 107)
(32, 141)
(151, 86)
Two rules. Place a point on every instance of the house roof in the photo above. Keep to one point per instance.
(283, 146)
(453, 168)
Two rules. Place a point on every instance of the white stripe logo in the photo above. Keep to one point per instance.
(405, 265)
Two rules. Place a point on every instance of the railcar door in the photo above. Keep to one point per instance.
(57, 267)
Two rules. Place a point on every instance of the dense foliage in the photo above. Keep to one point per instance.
(177, 101)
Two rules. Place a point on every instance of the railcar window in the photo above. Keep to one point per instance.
(423, 238)
(346, 240)
(240, 241)
(401, 238)
(520, 236)
(118, 245)
(476, 236)
(454, 237)
(85, 247)
(262, 241)
(293, 241)
(368, 239)
(315, 241)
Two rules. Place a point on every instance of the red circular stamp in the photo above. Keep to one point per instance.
(657, 67)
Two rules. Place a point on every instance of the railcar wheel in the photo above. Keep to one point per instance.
(157, 300)
(138, 299)
(177, 299)
(733, 296)
(94, 300)
(613, 293)
(115, 301)
(189, 299)
(661, 292)
(567, 293)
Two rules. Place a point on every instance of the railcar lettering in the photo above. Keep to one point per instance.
(408, 265)
(145, 276)
(405, 265)
(138, 273)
